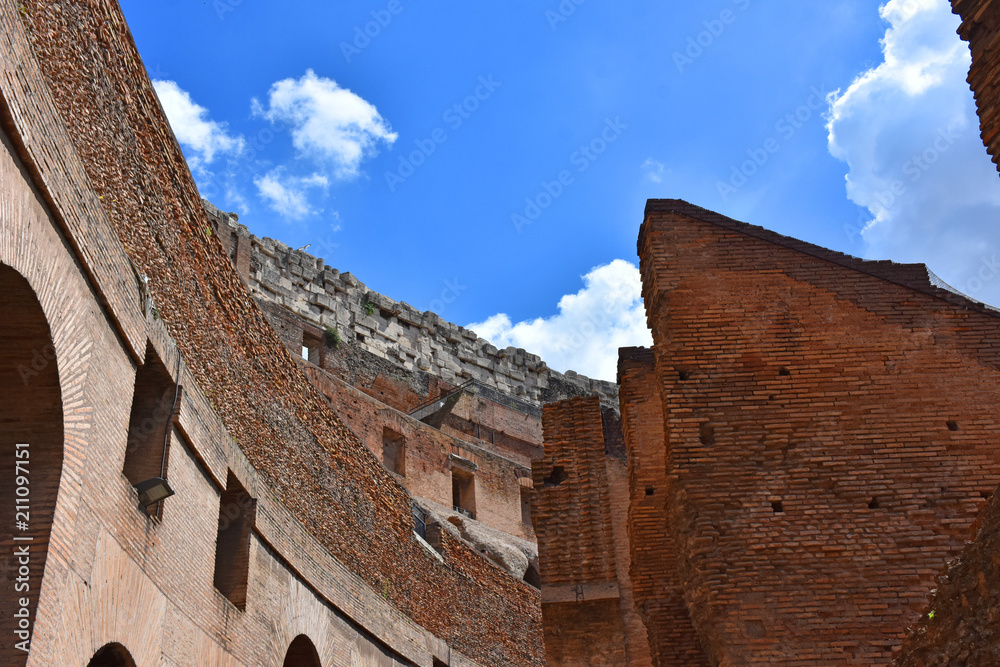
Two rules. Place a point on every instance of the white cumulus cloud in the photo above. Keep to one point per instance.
(328, 123)
(589, 327)
(288, 194)
(193, 128)
(909, 133)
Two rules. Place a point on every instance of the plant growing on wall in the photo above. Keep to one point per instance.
(332, 337)
(370, 308)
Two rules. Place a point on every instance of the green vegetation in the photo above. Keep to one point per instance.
(332, 337)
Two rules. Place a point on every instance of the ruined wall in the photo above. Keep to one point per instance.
(634, 629)
(964, 611)
(427, 457)
(412, 339)
(113, 573)
(980, 25)
(503, 427)
(658, 589)
(84, 116)
(581, 610)
(830, 428)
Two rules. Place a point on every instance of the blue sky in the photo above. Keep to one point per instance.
(491, 162)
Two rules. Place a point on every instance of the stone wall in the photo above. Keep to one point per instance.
(412, 339)
(830, 429)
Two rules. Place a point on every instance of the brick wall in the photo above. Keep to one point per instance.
(635, 637)
(961, 620)
(104, 555)
(571, 497)
(572, 515)
(658, 590)
(427, 456)
(980, 24)
(109, 177)
(381, 395)
(830, 426)
(584, 633)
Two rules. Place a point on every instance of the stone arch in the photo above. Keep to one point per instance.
(31, 456)
(112, 655)
(301, 653)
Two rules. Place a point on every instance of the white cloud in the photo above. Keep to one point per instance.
(589, 327)
(329, 123)
(909, 133)
(194, 130)
(653, 170)
(288, 194)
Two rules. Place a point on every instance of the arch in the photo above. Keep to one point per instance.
(112, 655)
(301, 653)
(31, 455)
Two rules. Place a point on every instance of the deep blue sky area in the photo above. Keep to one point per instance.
(699, 88)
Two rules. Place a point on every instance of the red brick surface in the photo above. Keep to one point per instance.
(980, 25)
(587, 614)
(829, 426)
(658, 590)
(427, 452)
(571, 510)
(105, 154)
(961, 626)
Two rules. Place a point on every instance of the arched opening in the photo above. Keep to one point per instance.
(31, 454)
(301, 653)
(112, 655)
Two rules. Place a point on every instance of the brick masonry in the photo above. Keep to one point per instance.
(658, 589)
(103, 221)
(980, 25)
(577, 545)
(960, 626)
(829, 426)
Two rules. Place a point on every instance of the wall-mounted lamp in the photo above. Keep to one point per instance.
(153, 491)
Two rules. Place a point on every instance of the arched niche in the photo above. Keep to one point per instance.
(31, 457)
(112, 655)
(301, 653)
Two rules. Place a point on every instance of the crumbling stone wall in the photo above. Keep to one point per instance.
(412, 339)
(830, 427)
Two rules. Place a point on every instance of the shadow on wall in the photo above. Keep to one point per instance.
(31, 455)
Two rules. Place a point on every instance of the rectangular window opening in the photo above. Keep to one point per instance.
(312, 349)
(463, 492)
(394, 452)
(237, 514)
(151, 422)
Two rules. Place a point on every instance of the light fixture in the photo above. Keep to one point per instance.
(153, 491)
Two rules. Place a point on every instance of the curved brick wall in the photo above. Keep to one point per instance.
(307, 461)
